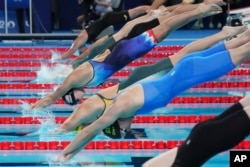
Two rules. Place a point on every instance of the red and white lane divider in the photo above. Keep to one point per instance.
(99, 145)
(176, 100)
(137, 119)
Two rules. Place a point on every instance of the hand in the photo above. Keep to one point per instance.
(68, 153)
(42, 103)
(63, 157)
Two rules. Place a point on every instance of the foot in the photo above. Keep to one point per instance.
(209, 9)
(233, 31)
(158, 12)
(245, 35)
(217, 2)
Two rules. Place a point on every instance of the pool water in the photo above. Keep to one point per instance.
(19, 134)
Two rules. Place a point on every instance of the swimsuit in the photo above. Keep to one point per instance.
(123, 53)
(193, 69)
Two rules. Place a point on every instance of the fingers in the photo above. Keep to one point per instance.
(60, 158)
(39, 104)
(68, 157)
(63, 158)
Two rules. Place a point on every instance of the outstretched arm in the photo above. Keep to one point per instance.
(53, 97)
(87, 134)
(207, 42)
(80, 40)
(110, 18)
(91, 47)
(74, 80)
(120, 108)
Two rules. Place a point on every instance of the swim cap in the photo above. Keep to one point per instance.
(71, 100)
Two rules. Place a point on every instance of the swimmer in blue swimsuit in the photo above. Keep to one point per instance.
(93, 108)
(213, 63)
(96, 71)
(125, 109)
(209, 138)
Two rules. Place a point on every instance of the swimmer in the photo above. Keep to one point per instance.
(209, 138)
(97, 70)
(145, 96)
(93, 107)
(111, 18)
(130, 30)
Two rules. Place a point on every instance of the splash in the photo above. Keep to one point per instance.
(55, 56)
(26, 111)
(55, 74)
(78, 160)
(43, 115)
(71, 163)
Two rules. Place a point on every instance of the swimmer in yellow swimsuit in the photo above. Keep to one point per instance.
(94, 107)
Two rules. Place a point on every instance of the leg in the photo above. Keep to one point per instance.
(146, 71)
(206, 140)
(240, 54)
(137, 11)
(207, 42)
(240, 40)
(96, 28)
(243, 103)
(146, 19)
(179, 20)
(149, 21)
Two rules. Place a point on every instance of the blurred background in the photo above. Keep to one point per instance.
(48, 16)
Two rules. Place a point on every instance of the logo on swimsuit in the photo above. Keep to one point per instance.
(172, 73)
(125, 17)
(113, 131)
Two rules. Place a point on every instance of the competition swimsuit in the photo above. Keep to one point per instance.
(123, 53)
(193, 69)
(110, 42)
(144, 72)
(110, 18)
